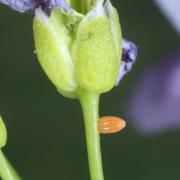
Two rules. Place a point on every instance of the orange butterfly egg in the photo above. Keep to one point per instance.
(111, 124)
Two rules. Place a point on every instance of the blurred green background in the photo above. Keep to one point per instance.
(45, 130)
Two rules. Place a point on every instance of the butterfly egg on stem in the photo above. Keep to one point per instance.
(111, 124)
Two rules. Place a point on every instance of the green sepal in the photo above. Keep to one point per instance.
(94, 51)
(52, 42)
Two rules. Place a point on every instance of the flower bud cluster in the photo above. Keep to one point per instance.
(79, 50)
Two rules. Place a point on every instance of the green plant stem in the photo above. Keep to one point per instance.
(90, 106)
(7, 172)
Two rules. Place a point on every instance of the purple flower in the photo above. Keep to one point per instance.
(29, 6)
(155, 105)
(129, 55)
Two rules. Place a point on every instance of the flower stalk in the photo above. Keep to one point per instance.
(90, 107)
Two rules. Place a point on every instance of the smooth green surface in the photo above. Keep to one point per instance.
(7, 172)
(90, 106)
(3, 133)
(46, 137)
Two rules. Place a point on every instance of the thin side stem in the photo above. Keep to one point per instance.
(90, 106)
(7, 172)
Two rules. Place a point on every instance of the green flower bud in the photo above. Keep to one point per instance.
(79, 51)
(3, 133)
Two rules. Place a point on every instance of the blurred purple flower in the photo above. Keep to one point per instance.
(29, 6)
(129, 55)
(171, 10)
(155, 105)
